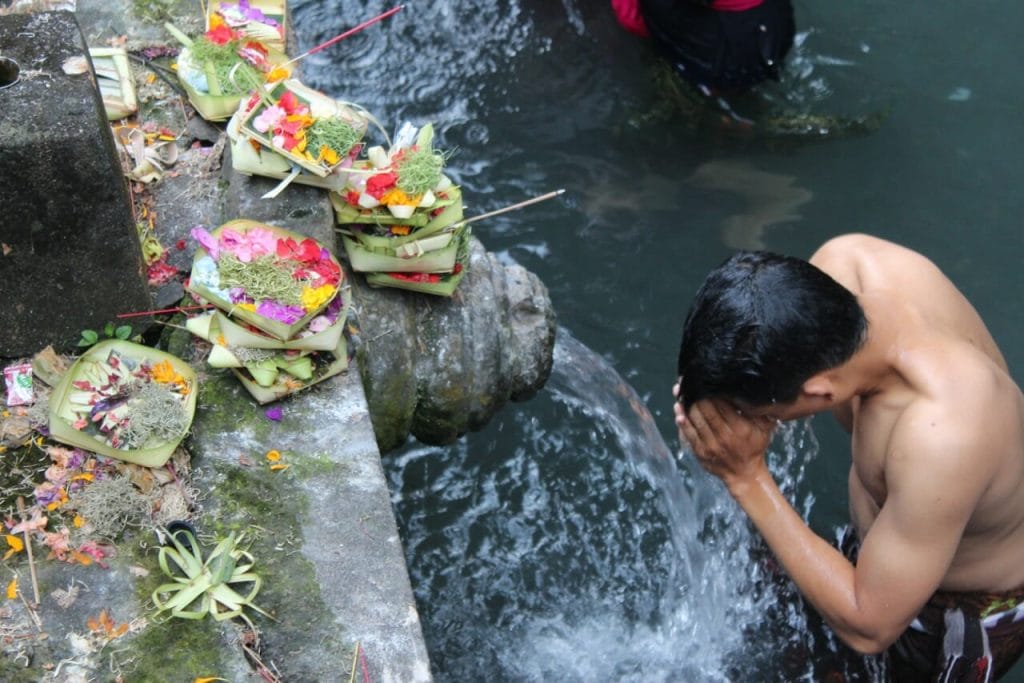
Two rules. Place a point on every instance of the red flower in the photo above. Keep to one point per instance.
(352, 197)
(161, 272)
(328, 270)
(431, 278)
(221, 35)
(306, 251)
(377, 185)
(288, 102)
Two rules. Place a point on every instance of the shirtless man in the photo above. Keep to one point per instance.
(876, 334)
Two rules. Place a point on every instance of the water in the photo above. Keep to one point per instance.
(561, 543)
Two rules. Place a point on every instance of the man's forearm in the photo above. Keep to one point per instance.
(826, 578)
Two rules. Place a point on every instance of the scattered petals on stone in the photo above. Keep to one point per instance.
(12, 589)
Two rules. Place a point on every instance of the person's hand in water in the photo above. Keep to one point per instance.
(727, 443)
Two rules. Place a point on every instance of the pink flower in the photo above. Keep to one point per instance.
(261, 241)
(269, 119)
(207, 241)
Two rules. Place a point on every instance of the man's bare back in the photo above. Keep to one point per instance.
(950, 370)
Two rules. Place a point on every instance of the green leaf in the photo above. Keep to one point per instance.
(108, 329)
(89, 337)
(123, 332)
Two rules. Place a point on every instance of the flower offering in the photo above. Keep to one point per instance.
(270, 278)
(262, 20)
(125, 401)
(221, 67)
(314, 131)
(401, 218)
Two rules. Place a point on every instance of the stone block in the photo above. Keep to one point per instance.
(70, 256)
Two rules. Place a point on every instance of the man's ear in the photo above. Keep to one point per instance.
(819, 386)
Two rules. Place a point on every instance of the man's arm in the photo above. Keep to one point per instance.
(906, 553)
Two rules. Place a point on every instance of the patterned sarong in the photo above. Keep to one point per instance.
(958, 637)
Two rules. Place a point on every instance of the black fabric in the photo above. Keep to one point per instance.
(721, 50)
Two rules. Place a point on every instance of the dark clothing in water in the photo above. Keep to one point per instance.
(721, 50)
(957, 637)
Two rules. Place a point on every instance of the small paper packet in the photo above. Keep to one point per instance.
(19, 384)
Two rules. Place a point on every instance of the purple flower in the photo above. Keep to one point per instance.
(243, 13)
(275, 413)
(238, 296)
(275, 311)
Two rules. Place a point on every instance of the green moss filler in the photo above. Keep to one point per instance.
(219, 60)
(262, 278)
(419, 171)
(333, 133)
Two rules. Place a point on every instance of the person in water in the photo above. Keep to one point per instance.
(717, 45)
(932, 570)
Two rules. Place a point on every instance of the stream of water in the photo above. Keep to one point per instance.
(569, 540)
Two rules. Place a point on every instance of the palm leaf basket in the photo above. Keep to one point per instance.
(257, 160)
(103, 379)
(221, 100)
(275, 328)
(320, 105)
(438, 284)
(115, 81)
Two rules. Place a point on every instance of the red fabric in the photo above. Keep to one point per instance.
(735, 5)
(628, 14)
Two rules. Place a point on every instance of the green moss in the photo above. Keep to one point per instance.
(179, 650)
(268, 507)
(21, 471)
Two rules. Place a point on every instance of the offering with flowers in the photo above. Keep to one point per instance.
(125, 401)
(437, 283)
(268, 277)
(262, 20)
(221, 67)
(399, 212)
(272, 373)
(305, 126)
(393, 187)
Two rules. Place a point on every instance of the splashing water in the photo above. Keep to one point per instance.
(589, 554)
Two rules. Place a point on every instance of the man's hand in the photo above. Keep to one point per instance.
(727, 443)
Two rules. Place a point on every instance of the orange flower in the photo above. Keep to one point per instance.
(106, 626)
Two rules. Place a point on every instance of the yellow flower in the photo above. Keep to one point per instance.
(401, 229)
(328, 156)
(278, 73)
(279, 466)
(396, 196)
(163, 373)
(314, 297)
(247, 306)
(273, 456)
(12, 589)
(14, 545)
(79, 521)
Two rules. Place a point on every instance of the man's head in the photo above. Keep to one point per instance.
(761, 325)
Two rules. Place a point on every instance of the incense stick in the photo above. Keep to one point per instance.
(512, 207)
(28, 547)
(176, 309)
(344, 35)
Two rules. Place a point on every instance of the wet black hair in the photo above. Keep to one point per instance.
(761, 325)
